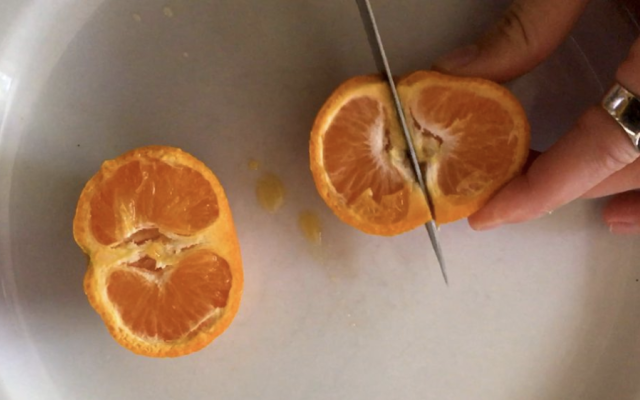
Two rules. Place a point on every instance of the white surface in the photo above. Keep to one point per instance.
(544, 310)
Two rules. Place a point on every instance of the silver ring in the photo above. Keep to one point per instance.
(624, 107)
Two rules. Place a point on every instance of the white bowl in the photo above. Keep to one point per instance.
(542, 310)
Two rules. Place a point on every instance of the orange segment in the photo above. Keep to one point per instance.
(172, 303)
(176, 198)
(165, 272)
(355, 151)
(356, 160)
(471, 134)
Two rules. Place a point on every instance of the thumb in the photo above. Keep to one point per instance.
(529, 32)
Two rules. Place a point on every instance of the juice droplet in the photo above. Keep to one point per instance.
(270, 192)
(253, 165)
(168, 12)
(311, 227)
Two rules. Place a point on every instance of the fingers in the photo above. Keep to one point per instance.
(626, 179)
(529, 32)
(629, 177)
(622, 214)
(594, 149)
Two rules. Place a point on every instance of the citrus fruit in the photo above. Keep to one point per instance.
(165, 272)
(471, 137)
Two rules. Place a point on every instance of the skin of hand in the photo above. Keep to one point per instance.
(594, 159)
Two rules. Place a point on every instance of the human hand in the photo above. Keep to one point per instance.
(595, 158)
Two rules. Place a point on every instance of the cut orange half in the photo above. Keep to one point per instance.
(165, 272)
(471, 136)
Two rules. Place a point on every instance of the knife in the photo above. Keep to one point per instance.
(380, 57)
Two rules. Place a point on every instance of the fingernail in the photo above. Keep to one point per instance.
(484, 226)
(458, 58)
(624, 228)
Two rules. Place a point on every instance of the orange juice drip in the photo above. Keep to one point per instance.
(253, 165)
(270, 192)
(311, 227)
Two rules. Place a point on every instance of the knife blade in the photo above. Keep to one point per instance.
(382, 62)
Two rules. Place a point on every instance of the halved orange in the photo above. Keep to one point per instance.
(165, 271)
(471, 136)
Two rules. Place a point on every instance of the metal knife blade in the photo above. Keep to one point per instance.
(380, 57)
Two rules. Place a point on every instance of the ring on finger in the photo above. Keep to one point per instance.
(624, 107)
